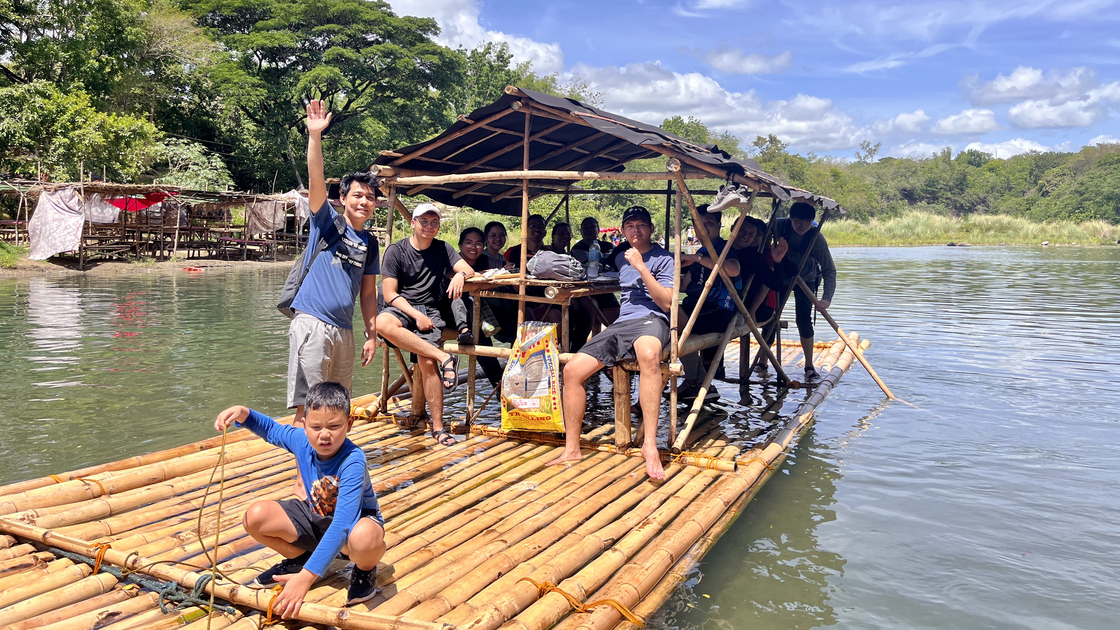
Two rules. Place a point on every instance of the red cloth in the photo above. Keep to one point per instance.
(771, 296)
(136, 204)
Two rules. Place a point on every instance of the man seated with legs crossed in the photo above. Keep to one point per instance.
(413, 271)
(640, 332)
(340, 513)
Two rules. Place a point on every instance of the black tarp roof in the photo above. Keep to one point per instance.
(566, 136)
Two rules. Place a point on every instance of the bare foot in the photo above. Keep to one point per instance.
(653, 463)
(565, 458)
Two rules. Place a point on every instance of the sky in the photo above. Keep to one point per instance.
(1004, 77)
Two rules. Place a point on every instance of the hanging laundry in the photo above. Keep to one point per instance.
(56, 226)
(101, 211)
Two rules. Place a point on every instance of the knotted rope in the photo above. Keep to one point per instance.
(544, 588)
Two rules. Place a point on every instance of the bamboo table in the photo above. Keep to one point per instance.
(559, 292)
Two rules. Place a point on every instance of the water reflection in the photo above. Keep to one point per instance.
(54, 317)
(769, 570)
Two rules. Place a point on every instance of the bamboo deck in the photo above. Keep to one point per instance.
(467, 527)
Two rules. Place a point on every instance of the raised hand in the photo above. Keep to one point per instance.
(779, 251)
(318, 118)
(229, 416)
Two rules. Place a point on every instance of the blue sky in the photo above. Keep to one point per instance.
(1002, 76)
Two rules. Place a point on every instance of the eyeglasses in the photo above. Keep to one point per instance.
(426, 223)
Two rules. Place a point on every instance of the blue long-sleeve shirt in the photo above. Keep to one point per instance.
(338, 487)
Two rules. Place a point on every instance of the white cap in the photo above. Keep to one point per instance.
(426, 208)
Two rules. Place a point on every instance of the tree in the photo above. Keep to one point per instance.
(190, 165)
(62, 132)
(867, 152)
(488, 69)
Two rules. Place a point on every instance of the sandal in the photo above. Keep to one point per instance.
(451, 364)
(466, 337)
(443, 438)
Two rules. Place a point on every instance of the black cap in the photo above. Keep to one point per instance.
(636, 212)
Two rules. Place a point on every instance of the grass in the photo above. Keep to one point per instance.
(921, 228)
(10, 255)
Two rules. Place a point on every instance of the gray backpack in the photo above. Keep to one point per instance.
(332, 235)
(549, 265)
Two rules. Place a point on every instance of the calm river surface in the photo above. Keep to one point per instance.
(992, 502)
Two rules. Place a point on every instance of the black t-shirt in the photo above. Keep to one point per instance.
(419, 274)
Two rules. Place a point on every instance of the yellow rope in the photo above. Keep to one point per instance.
(101, 549)
(268, 620)
(747, 462)
(104, 492)
(217, 523)
(544, 588)
(57, 479)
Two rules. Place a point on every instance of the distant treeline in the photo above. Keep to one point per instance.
(210, 94)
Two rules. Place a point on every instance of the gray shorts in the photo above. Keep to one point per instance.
(317, 352)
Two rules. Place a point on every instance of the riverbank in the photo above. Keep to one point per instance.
(921, 228)
(15, 264)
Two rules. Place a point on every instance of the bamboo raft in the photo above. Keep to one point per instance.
(480, 536)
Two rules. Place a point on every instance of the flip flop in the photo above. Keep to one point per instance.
(443, 438)
(451, 364)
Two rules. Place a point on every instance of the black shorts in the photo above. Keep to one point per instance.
(311, 527)
(616, 343)
(431, 336)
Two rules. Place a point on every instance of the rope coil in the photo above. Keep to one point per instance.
(544, 588)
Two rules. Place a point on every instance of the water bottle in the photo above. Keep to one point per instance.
(593, 256)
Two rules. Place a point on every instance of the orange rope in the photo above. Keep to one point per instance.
(765, 464)
(101, 549)
(268, 620)
(544, 588)
(104, 492)
(57, 479)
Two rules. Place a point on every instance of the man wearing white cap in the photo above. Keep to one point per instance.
(412, 273)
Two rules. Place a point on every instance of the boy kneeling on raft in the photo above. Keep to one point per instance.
(340, 513)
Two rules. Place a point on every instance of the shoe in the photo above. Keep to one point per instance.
(466, 337)
(727, 197)
(761, 369)
(742, 197)
(720, 374)
(287, 566)
(688, 392)
(361, 587)
(811, 374)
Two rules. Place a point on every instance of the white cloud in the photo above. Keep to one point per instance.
(970, 122)
(459, 21)
(734, 61)
(1083, 111)
(1026, 83)
(906, 122)
(1007, 148)
(883, 63)
(1104, 139)
(651, 93)
(721, 4)
(914, 149)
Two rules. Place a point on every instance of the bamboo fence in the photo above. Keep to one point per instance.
(479, 535)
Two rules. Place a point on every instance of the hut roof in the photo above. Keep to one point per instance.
(565, 135)
(32, 188)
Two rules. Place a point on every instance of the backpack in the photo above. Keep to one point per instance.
(299, 270)
(552, 266)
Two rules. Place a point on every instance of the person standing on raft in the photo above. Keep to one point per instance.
(798, 230)
(321, 335)
(640, 332)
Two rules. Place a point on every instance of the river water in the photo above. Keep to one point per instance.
(990, 500)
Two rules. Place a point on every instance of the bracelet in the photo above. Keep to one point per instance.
(390, 302)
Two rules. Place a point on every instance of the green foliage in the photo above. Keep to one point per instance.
(62, 132)
(190, 165)
(10, 255)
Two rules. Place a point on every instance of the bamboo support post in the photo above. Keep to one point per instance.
(622, 411)
(677, 445)
(388, 241)
(855, 350)
(674, 315)
(524, 262)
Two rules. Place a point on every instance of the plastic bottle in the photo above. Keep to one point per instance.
(594, 253)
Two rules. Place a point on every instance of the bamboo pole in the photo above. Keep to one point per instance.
(438, 142)
(526, 174)
(524, 262)
(63, 594)
(24, 562)
(608, 523)
(237, 594)
(389, 221)
(622, 392)
(674, 314)
(677, 445)
(34, 573)
(855, 350)
(561, 516)
(108, 615)
(525, 609)
(62, 613)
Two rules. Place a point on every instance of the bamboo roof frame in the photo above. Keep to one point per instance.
(570, 143)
